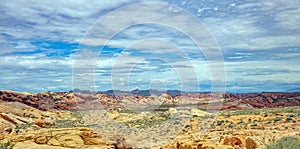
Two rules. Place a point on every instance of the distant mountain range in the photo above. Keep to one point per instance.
(150, 92)
(172, 93)
(82, 99)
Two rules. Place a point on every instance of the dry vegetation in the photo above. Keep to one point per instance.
(169, 126)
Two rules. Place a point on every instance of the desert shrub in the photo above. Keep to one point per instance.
(6, 145)
(278, 118)
(212, 126)
(146, 122)
(285, 143)
(253, 125)
(220, 122)
(249, 120)
(231, 125)
(288, 119)
(240, 122)
(290, 115)
(69, 124)
(20, 127)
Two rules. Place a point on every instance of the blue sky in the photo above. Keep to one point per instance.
(40, 41)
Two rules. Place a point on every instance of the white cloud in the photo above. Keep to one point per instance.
(258, 25)
(255, 25)
(156, 46)
(52, 20)
(35, 73)
(270, 70)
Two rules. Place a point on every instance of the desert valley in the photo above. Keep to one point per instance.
(187, 121)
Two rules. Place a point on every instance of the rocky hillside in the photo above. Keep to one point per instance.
(22, 127)
(96, 120)
(91, 100)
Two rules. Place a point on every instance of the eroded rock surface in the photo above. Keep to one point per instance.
(97, 120)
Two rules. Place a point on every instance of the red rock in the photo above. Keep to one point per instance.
(233, 141)
(43, 122)
(6, 117)
(68, 101)
(250, 143)
(63, 106)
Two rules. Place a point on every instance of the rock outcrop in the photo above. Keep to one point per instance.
(93, 100)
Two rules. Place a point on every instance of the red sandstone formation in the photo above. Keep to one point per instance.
(71, 101)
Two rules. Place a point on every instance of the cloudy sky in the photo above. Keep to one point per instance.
(195, 45)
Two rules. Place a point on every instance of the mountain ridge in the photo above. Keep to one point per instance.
(89, 100)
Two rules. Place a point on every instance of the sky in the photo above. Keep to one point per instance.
(195, 45)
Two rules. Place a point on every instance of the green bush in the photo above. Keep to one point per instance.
(220, 122)
(288, 119)
(278, 118)
(231, 125)
(240, 122)
(6, 145)
(285, 143)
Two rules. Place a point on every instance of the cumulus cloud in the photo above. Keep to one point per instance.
(250, 34)
(35, 73)
(52, 20)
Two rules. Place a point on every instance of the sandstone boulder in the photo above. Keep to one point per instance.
(233, 141)
(53, 142)
(250, 143)
(41, 139)
(70, 140)
(172, 111)
(44, 122)
(197, 112)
